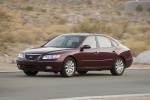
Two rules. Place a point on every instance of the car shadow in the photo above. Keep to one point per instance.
(76, 75)
(91, 75)
(51, 75)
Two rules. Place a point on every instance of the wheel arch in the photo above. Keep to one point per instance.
(123, 59)
(73, 58)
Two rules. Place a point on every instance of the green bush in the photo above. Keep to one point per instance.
(29, 8)
(139, 8)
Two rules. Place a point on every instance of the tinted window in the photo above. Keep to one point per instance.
(90, 41)
(104, 41)
(65, 41)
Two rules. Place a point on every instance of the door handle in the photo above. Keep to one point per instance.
(114, 52)
(96, 52)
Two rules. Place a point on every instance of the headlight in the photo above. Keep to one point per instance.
(51, 56)
(21, 55)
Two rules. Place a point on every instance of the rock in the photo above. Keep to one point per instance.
(134, 60)
(6, 56)
(96, 15)
(80, 17)
(143, 57)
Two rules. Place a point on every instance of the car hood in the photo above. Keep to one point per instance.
(45, 50)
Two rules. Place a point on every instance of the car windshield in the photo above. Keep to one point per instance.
(65, 41)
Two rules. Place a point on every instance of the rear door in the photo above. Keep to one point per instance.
(107, 52)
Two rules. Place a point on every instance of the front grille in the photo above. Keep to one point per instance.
(32, 56)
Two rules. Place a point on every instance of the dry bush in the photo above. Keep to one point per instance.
(91, 26)
(4, 21)
(136, 46)
(23, 36)
(29, 8)
(83, 27)
(147, 38)
(58, 29)
(97, 26)
(119, 28)
(7, 37)
(62, 21)
(20, 36)
(134, 29)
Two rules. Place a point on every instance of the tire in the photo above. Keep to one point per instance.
(118, 67)
(82, 72)
(30, 73)
(69, 67)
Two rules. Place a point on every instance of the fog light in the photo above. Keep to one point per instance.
(48, 67)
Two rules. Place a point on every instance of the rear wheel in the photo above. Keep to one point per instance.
(69, 67)
(118, 67)
(30, 73)
(82, 72)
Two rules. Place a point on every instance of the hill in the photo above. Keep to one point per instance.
(29, 23)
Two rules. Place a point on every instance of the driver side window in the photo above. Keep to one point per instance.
(90, 41)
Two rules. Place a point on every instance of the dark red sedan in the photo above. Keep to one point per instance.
(69, 53)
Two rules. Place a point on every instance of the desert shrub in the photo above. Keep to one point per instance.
(84, 27)
(97, 26)
(58, 29)
(7, 37)
(136, 46)
(4, 21)
(3, 16)
(1, 43)
(4, 25)
(119, 29)
(139, 8)
(146, 37)
(24, 36)
(19, 36)
(29, 8)
(62, 21)
(43, 10)
(149, 9)
(91, 26)
(138, 29)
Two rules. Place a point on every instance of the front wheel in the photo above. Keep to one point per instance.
(30, 73)
(118, 67)
(68, 68)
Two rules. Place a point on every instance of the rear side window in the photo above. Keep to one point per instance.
(104, 41)
(114, 43)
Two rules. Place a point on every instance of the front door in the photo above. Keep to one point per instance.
(89, 57)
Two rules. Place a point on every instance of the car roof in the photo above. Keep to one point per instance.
(84, 34)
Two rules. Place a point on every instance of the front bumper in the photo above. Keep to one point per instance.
(129, 62)
(47, 66)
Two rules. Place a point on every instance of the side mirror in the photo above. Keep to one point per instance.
(85, 47)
